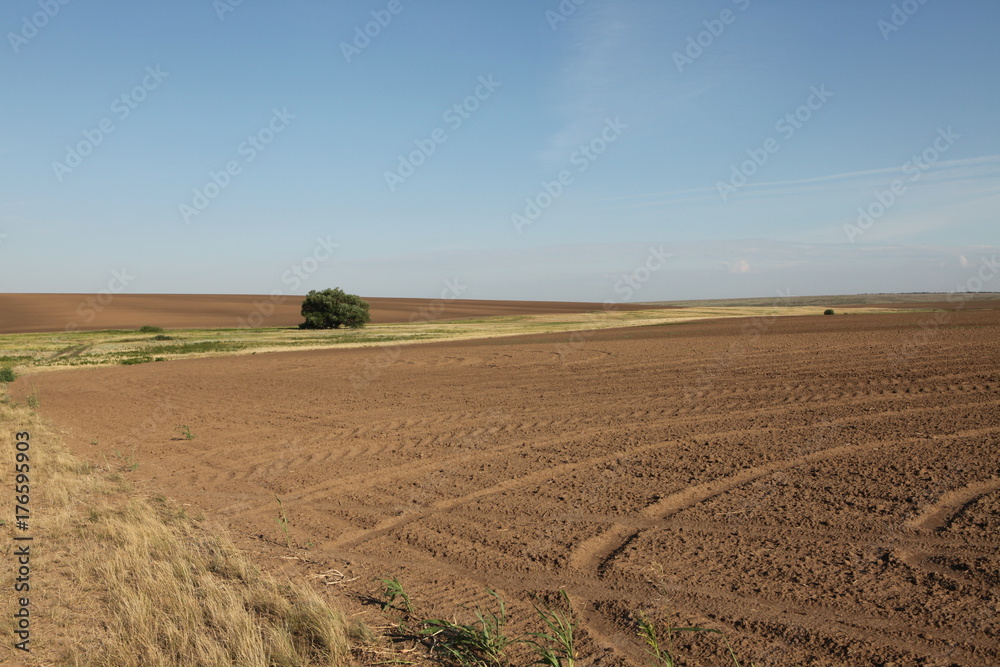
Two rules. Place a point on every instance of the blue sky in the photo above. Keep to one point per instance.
(525, 149)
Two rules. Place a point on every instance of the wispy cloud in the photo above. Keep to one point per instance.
(588, 78)
(983, 170)
(608, 69)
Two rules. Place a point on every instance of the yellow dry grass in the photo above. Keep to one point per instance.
(121, 579)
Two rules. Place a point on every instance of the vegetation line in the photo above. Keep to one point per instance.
(23, 353)
(129, 580)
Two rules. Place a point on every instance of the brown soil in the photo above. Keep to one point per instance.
(826, 490)
(941, 304)
(28, 313)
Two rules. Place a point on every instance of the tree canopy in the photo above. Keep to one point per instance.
(334, 308)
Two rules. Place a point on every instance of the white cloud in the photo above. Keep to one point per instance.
(741, 266)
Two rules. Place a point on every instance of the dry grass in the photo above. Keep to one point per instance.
(120, 579)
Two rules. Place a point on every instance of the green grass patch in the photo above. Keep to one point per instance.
(485, 639)
(14, 359)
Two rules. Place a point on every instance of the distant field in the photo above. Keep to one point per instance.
(27, 313)
(921, 300)
(23, 313)
(26, 351)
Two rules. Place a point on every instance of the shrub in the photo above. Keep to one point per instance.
(7, 374)
(149, 329)
(828, 311)
(334, 308)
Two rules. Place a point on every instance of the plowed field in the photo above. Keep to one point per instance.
(24, 313)
(825, 490)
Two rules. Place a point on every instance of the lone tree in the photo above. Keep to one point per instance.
(334, 308)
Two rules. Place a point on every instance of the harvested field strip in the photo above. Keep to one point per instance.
(47, 351)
